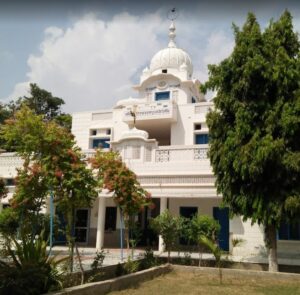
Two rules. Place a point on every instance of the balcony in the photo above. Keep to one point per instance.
(165, 111)
(180, 153)
(9, 162)
(167, 160)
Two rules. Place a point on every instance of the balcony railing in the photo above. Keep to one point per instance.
(159, 110)
(180, 153)
(171, 153)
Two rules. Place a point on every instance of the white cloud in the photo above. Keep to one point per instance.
(91, 64)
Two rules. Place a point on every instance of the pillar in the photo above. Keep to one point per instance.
(100, 223)
(163, 207)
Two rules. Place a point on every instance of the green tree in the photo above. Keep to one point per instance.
(255, 126)
(169, 227)
(116, 177)
(42, 102)
(51, 162)
(202, 226)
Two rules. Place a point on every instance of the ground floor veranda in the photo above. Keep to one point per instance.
(99, 227)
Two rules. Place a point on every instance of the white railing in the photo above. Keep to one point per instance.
(10, 160)
(157, 110)
(180, 153)
(172, 153)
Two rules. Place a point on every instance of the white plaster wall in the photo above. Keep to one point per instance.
(205, 206)
(252, 236)
(80, 128)
(119, 127)
(182, 130)
(109, 202)
(82, 123)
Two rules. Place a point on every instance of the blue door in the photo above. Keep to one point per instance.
(222, 215)
(60, 237)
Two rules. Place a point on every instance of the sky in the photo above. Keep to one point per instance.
(91, 53)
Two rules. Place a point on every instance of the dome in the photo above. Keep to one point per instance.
(128, 102)
(172, 57)
(135, 133)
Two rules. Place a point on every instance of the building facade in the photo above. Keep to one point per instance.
(167, 148)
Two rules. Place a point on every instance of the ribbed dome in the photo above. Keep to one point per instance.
(172, 57)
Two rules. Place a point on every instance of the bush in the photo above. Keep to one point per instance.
(8, 222)
(202, 226)
(149, 260)
(131, 266)
(169, 227)
(32, 270)
(32, 280)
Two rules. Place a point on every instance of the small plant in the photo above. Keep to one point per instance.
(148, 260)
(237, 242)
(96, 266)
(32, 270)
(216, 251)
(135, 234)
(187, 259)
(98, 260)
(131, 266)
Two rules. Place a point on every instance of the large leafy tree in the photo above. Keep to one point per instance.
(52, 162)
(41, 102)
(255, 126)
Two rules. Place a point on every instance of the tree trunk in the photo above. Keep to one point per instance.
(126, 223)
(69, 235)
(271, 244)
(200, 255)
(80, 264)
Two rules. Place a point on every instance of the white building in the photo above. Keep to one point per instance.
(167, 149)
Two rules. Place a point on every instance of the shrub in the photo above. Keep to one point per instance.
(169, 227)
(148, 260)
(8, 222)
(202, 226)
(32, 270)
(131, 266)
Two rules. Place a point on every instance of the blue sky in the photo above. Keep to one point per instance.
(91, 52)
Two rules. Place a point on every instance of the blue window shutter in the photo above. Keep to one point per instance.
(165, 95)
(201, 139)
(100, 143)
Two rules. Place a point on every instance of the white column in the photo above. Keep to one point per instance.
(100, 223)
(163, 207)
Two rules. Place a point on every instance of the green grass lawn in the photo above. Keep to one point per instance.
(206, 284)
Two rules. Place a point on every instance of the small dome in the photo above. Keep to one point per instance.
(135, 133)
(129, 101)
(146, 70)
(171, 57)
